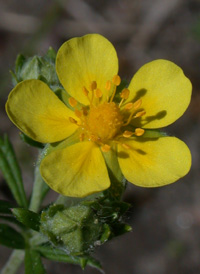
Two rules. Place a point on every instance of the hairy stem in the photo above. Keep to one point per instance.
(13, 262)
(39, 191)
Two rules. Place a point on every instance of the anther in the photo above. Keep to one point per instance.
(139, 131)
(140, 114)
(137, 104)
(108, 85)
(72, 120)
(128, 106)
(78, 113)
(93, 85)
(72, 102)
(127, 134)
(105, 148)
(98, 93)
(116, 80)
(125, 93)
(85, 112)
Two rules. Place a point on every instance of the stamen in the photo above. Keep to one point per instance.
(116, 80)
(105, 148)
(72, 102)
(93, 85)
(85, 91)
(139, 131)
(127, 134)
(98, 93)
(140, 114)
(72, 120)
(128, 106)
(125, 93)
(78, 113)
(137, 104)
(108, 85)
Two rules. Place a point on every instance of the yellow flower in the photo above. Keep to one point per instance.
(87, 67)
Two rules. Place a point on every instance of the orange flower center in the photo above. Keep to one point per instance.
(103, 121)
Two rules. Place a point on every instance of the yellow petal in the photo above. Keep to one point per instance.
(80, 61)
(165, 92)
(154, 162)
(76, 171)
(38, 112)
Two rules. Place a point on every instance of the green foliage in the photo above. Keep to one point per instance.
(56, 254)
(81, 227)
(10, 237)
(36, 67)
(11, 171)
(33, 263)
(5, 207)
(27, 217)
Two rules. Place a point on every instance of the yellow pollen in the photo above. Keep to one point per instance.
(105, 148)
(139, 131)
(93, 85)
(98, 93)
(116, 80)
(104, 121)
(108, 85)
(128, 106)
(72, 102)
(125, 93)
(140, 114)
(72, 120)
(78, 113)
(137, 104)
(127, 134)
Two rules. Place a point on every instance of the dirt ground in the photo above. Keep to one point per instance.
(166, 221)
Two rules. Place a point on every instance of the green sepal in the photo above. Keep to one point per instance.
(59, 255)
(11, 171)
(10, 237)
(74, 228)
(36, 67)
(30, 141)
(50, 55)
(27, 217)
(33, 263)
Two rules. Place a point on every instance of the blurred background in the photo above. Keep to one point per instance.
(166, 221)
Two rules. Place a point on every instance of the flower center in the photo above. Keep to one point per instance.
(104, 121)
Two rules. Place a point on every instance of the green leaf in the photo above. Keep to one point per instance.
(59, 255)
(27, 217)
(11, 171)
(11, 219)
(10, 237)
(33, 263)
(5, 207)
